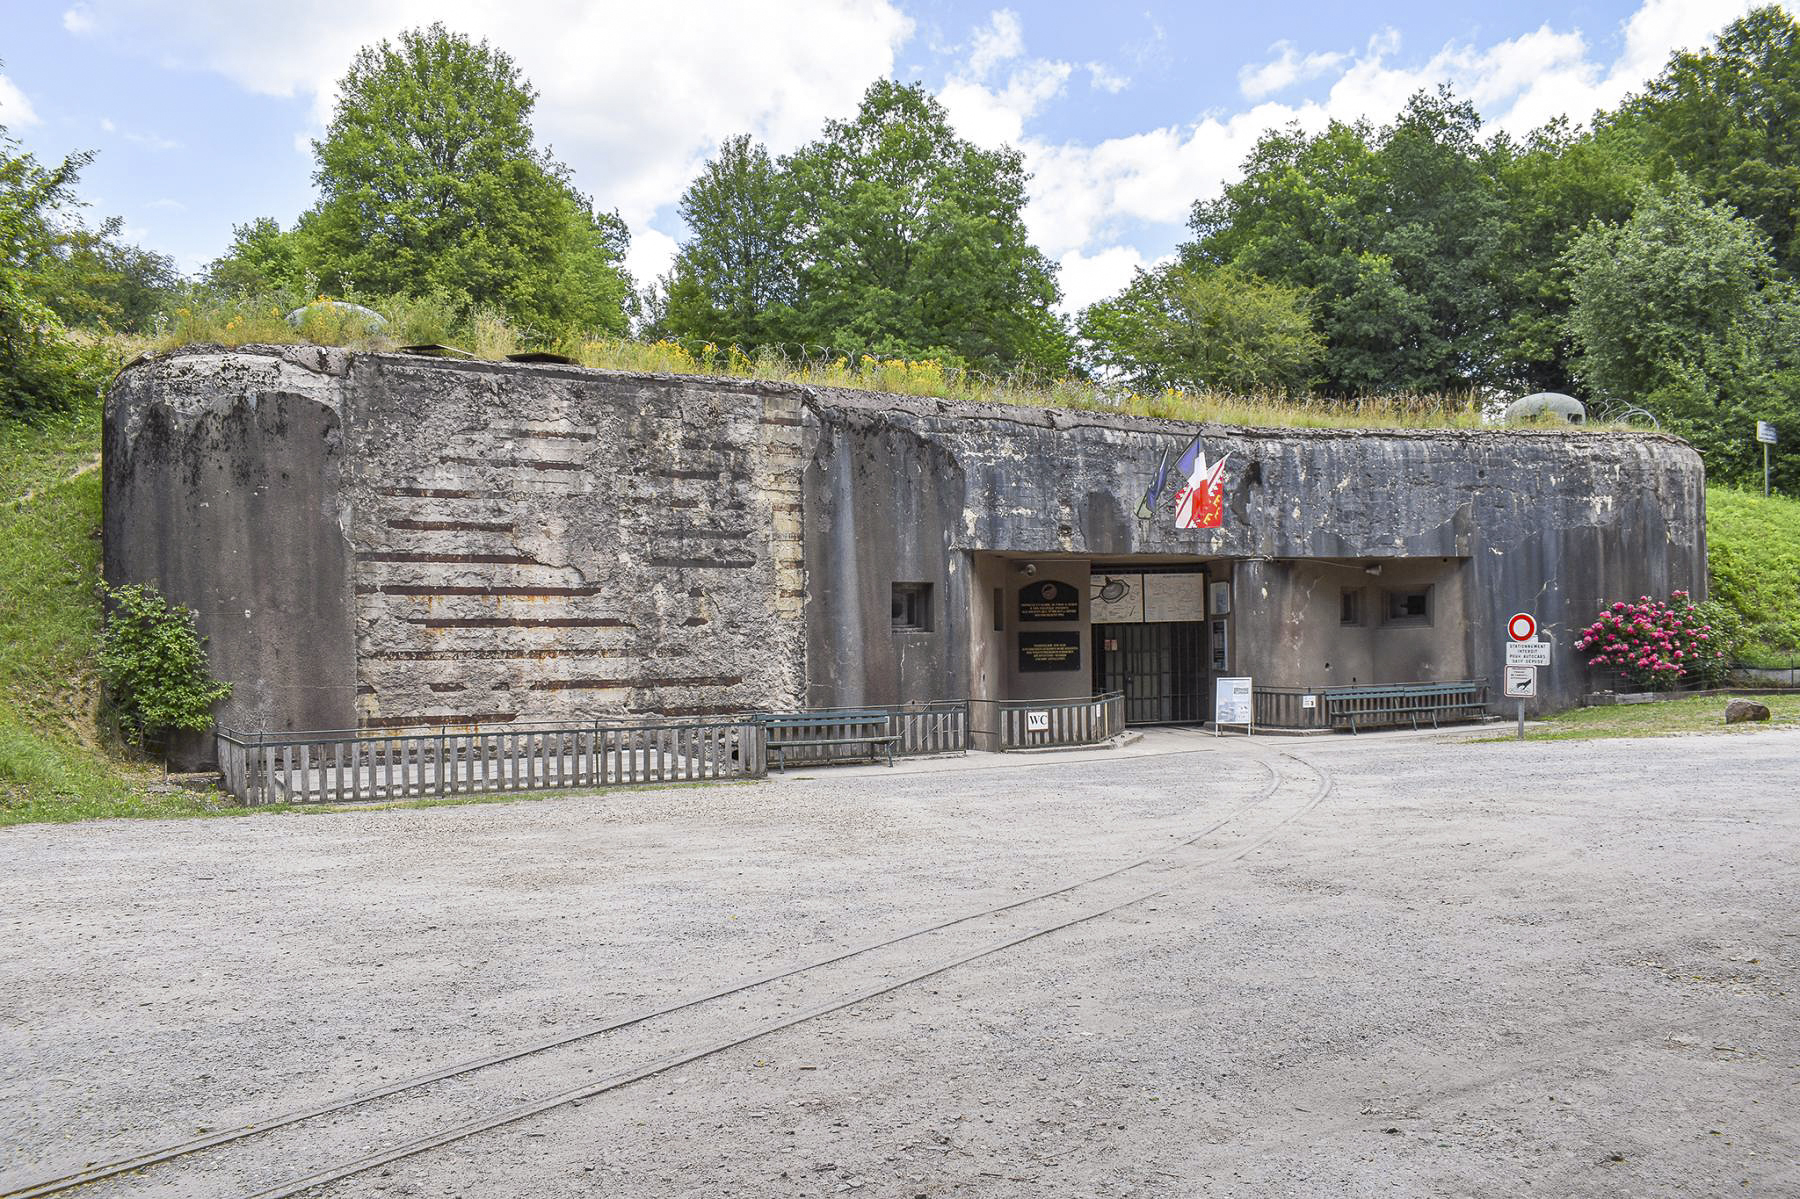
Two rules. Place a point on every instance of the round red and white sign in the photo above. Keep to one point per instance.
(1522, 627)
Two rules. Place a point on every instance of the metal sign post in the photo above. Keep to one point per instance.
(1521, 684)
(1524, 654)
(1765, 433)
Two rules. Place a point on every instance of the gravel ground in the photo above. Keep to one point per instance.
(1472, 969)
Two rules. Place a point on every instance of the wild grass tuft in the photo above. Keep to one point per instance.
(487, 334)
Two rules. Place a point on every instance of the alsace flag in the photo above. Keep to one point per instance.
(1200, 502)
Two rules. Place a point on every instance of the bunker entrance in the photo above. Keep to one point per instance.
(1056, 628)
(1153, 641)
(1159, 668)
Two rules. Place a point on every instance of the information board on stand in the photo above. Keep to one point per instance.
(1233, 703)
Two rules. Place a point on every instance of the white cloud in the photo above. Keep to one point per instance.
(1284, 70)
(78, 20)
(1103, 78)
(1000, 40)
(992, 112)
(149, 141)
(627, 99)
(1101, 274)
(1096, 207)
(16, 111)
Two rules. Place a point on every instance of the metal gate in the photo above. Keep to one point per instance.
(1160, 668)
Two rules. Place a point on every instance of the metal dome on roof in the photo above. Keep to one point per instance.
(1546, 403)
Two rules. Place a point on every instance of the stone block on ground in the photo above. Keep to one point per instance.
(1740, 710)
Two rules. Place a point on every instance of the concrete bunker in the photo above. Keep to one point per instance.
(382, 541)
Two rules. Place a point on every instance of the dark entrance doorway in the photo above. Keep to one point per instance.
(1160, 668)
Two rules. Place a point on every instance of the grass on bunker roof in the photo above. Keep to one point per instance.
(1699, 714)
(486, 335)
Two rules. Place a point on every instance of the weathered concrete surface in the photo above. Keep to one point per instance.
(382, 539)
(223, 488)
(541, 542)
(1555, 523)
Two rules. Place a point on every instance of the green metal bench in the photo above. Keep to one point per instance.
(1395, 703)
(783, 731)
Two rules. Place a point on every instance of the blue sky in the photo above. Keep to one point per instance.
(201, 111)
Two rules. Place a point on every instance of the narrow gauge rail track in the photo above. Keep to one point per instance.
(1166, 858)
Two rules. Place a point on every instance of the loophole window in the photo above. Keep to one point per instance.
(1409, 605)
(912, 607)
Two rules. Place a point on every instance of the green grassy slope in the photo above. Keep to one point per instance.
(1754, 547)
(53, 765)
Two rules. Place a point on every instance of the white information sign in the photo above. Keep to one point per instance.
(1309, 701)
(1528, 653)
(1174, 597)
(1765, 432)
(1232, 702)
(1116, 599)
(1037, 720)
(1521, 682)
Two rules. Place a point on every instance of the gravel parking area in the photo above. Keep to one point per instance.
(1466, 969)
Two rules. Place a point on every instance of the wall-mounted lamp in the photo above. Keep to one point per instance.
(1373, 568)
(1028, 569)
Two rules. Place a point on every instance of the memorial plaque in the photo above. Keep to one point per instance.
(1049, 651)
(1049, 600)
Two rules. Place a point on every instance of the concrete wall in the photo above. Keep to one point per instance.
(1290, 631)
(223, 488)
(1550, 522)
(537, 542)
(385, 539)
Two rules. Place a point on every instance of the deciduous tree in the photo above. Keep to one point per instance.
(429, 183)
(1679, 308)
(1197, 327)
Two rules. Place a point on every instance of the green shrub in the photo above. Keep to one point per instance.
(153, 666)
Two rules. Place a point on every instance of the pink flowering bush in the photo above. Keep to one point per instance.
(1657, 646)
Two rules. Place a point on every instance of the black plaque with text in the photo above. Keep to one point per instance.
(1049, 651)
(1049, 600)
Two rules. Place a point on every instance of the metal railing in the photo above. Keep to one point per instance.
(362, 765)
(1285, 707)
(920, 729)
(1049, 723)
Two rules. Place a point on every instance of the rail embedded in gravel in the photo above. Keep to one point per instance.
(99, 1172)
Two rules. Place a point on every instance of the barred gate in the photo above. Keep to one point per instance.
(361, 765)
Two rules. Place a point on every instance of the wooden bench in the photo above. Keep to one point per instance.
(782, 732)
(1394, 703)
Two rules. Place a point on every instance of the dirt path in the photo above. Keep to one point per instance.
(1561, 969)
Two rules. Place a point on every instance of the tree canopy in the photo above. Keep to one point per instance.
(1199, 328)
(1679, 308)
(429, 184)
(1649, 257)
(888, 233)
